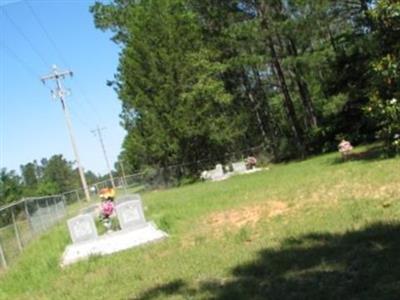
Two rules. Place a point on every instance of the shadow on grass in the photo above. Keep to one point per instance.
(374, 153)
(362, 264)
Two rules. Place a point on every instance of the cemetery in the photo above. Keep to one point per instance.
(202, 150)
(226, 239)
(221, 172)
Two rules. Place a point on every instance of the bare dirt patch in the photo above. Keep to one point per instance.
(216, 224)
(246, 215)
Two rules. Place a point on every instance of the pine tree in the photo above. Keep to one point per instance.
(169, 82)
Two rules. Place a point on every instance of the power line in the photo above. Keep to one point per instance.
(46, 64)
(92, 106)
(23, 63)
(60, 55)
(52, 42)
(58, 52)
(12, 53)
(97, 132)
(78, 116)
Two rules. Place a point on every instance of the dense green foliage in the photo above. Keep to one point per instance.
(315, 229)
(200, 78)
(51, 176)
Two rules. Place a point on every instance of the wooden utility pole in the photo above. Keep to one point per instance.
(97, 132)
(60, 93)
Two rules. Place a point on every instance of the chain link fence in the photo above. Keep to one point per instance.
(22, 221)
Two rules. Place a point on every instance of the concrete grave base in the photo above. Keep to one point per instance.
(111, 243)
(221, 178)
(251, 171)
(228, 175)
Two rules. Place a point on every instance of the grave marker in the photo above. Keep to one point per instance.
(217, 173)
(82, 228)
(135, 231)
(239, 167)
(130, 214)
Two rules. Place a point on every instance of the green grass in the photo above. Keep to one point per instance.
(315, 229)
(8, 239)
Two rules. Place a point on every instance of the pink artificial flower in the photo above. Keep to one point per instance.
(345, 146)
(107, 208)
(251, 161)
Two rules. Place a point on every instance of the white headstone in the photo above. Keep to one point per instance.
(130, 214)
(219, 168)
(217, 173)
(82, 228)
(239, 167)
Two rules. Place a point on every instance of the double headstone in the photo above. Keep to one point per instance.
(130, 215)
(135, 231)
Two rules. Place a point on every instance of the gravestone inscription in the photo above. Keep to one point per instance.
(130, 214)
(82, 228)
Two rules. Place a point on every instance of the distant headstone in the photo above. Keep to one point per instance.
(219, 169)
(130, 214)
(217, 173)
(239, 167)
(82, 228)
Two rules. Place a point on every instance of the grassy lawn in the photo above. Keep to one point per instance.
(315, 229)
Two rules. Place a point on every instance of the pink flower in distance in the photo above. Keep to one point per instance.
(345, 146)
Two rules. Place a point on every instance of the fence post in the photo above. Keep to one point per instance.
(97, 187)
(64, 198)
(3, 258)
(16, 230)
(55, 208)
(123, 183)
(50, 217)
(64, 211)
(64, 202)
(39, 215)
(77, 195)
(28, 216)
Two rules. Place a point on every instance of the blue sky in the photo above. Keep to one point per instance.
(32, 124)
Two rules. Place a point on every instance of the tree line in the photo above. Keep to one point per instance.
(200, 78)
(46, 177)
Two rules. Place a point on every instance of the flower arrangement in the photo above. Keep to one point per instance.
(345, 148)
(106, 210)
(251, 162)
(107, 193)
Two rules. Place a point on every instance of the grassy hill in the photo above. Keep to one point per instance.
(315, 229)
